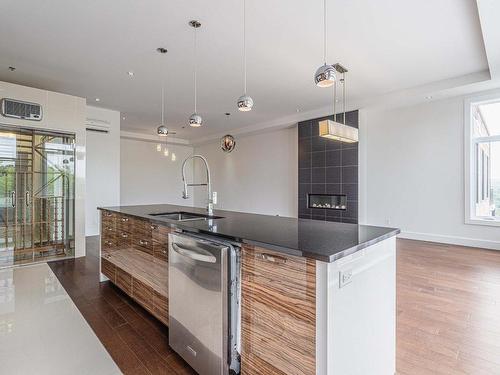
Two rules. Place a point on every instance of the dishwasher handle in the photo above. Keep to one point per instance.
(193, 252)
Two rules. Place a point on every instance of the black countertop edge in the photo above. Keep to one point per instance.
(329, 253)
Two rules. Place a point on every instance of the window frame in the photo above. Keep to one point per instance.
(470, 161)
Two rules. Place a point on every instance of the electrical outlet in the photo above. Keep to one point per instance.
(345, 277)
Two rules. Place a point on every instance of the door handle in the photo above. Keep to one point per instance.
(13, 198)
(194, 253)
(28, 199)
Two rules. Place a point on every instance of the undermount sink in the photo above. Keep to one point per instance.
(184, 216)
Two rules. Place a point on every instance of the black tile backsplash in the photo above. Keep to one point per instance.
(327, 166)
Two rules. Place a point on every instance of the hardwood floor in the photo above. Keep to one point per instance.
(448, 313)
(136, 341)
(448, 318)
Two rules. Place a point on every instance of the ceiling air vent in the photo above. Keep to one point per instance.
(22, 110)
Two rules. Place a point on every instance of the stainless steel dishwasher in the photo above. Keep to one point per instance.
(204, 309)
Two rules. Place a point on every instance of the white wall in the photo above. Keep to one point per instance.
(412, 173)
(62, 113)
(259, 176)
(148, 177)
(103, 166)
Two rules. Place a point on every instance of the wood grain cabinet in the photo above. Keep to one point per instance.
(134, 256)
(278, 313)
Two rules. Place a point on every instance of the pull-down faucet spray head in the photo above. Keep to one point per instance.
(208, 184)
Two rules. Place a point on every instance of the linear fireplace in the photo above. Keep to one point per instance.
(327, 201)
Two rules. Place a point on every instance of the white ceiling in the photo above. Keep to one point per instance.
(86, 48)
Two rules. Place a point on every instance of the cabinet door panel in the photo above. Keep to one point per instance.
(278, 313)
(143, 294)
(160, 251)
(123, 280)
(108, 269)
(160, 233)
(160, 307)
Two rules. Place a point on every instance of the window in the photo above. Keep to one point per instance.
(482, 136)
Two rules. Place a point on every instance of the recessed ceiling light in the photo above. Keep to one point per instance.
(131, 74)
(123, 118)
(298, 110)
(97, 99)
(428, 97)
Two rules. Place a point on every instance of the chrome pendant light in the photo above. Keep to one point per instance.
(325, 75)
(162, 130)
(195, 119)
(245, 102)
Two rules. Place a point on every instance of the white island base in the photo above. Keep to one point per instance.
(356, 313)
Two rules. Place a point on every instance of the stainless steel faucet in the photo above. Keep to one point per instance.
(208, 184)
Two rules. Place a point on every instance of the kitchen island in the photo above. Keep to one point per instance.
(316, 297)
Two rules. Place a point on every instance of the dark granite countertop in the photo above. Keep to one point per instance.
(321, 240)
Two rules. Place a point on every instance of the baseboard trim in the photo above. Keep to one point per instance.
(451, 240)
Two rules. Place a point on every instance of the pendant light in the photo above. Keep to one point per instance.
(227, 143)
(325, 75)
(195, 120)
(245, 102)
(337, 130)
(162, 130)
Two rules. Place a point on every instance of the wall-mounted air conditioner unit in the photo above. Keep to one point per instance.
(97, 125)
(21, 110)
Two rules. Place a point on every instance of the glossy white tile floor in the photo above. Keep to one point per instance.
(42, 331)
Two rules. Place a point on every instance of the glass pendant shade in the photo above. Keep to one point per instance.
(325, 76)
(195, 120)
(227, 143)
(245, 103)
(162, 131)
(337, 131)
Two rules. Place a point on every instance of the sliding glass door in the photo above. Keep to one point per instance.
(36, 196)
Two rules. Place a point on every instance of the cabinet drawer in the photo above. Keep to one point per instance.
(160, 233)
(108, 218)
(160, 307)
(142, 243)
(123, 280)
(160, 250)
(107, 244)
(143, 294)
(123, 239)
(278, 313)
(108, 269)
(108, 232)
(123, 223)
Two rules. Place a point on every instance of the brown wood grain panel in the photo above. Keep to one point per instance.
(143, 294)
(123, 239)
(123, 280)
(108, 269)
(160, 233)
(160, 307)
(160, 250)
(278, 313)
(142, 243)
(108, 219)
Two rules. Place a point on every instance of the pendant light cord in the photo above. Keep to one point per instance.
(244, 49)
(163, 100)
(195, 68)
(324, 31)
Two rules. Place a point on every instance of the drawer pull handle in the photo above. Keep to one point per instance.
(109, 229)
(272, 258)
(109, 243)
(142, 242)
(108, 214)
(124, 219)
(164, 251)
(124, 235)
(154, 227)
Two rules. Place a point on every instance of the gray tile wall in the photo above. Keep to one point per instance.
(329, 167)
